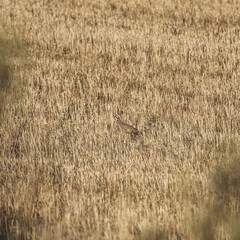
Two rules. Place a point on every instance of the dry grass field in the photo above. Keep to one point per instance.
(170, 68)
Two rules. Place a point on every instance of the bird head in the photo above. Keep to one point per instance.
(117, 118)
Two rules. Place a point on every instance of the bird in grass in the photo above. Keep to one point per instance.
(126, 127)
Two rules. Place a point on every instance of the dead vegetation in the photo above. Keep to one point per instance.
(171, 68)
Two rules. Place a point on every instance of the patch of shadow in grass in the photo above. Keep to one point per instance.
(205, 227)
(223, 210)
(12, 58)
(226, 180)
(152, 233)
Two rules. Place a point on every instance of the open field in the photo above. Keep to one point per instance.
(171, 68)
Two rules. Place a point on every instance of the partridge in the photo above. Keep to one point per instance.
(126, 127)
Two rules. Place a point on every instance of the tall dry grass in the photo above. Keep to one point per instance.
(171, 68)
